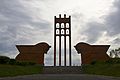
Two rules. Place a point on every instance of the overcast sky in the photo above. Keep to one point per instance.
(31, 22)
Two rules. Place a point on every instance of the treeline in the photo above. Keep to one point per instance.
(110, 61)
(7, 60)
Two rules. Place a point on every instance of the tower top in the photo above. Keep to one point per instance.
(62, 20)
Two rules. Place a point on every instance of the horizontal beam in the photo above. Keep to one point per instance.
(62, 20)
(62, 28)
(62, 34)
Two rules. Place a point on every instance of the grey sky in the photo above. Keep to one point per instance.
(31, 21)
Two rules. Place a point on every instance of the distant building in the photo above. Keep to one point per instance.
(32, 53)
(91, 53)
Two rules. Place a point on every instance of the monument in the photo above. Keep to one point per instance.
(90, 53)
(32, 53)
(62, 30)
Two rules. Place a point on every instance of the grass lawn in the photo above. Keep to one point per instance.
(14, 70)
(103, 69)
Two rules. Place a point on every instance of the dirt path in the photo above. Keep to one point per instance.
(61, 77)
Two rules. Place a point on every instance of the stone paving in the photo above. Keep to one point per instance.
(61, 77)
(62, 70)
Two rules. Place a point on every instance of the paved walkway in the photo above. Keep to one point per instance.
(61, 77)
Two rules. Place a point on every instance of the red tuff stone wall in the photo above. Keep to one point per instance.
(91, 53)
(32, 53)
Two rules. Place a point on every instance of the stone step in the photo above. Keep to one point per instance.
(62, 70)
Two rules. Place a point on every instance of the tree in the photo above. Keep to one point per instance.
(115, 53)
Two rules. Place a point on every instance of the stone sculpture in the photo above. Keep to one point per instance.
(32, 53)
(91, 53)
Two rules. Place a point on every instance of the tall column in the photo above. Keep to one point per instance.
(64, 42)
(59, 42)
(60, 49)
(65, 45)
(70, 41)
(55, 42)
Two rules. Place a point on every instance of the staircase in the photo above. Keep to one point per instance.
(62, 70)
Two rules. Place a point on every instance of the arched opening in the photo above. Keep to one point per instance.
(57, 25)
(62, 25)
(67, 31)
(57, 31)
(67, 25)
(62, 31)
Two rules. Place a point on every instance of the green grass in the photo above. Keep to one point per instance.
(103, 69)
(15, 70)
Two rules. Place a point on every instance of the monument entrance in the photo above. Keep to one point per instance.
(62, 27)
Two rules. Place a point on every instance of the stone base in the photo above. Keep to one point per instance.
(62, 70)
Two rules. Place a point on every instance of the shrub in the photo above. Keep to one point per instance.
(114, 61)
(12, 61)
(97, 62)
(93, 62)
(21, 63)
(31, 63)
(25, 63)
(4, 60)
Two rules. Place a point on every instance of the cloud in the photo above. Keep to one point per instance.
(108, 26)
(94, 31)
(113, 20)
(18, 26)
(116, 41)
(87, 31)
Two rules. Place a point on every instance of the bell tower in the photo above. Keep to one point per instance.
(59, 31)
